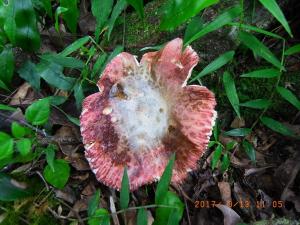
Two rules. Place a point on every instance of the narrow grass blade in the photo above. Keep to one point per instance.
(75, 46)
(259, 48)
(293, 50)
(231, 92)
(238, 132)
(276, 126)
(274, 9)
(289, 96)
(249, 149)
(142, 218)
(216, 64)
(257, 104)
(264, 73)
(124, 195)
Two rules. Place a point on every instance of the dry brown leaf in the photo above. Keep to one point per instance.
(225, 191)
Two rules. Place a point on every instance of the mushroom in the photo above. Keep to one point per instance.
(145, 112)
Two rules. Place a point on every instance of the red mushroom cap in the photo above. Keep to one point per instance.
(143, 114)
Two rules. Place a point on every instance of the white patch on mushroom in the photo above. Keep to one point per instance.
(141, 111)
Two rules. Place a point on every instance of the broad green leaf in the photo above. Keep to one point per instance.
(192, 28)
(231, 92)
(38, 112)
(94, 203)
(225, 162)
(163, 185)
(228, 16)
(17, 130)
(29, 73)
(247, 27)
(215, 65)
(6, 107)
(169, 215)
(9, 191)
(9, 21)
(6, 146)
(24, 146)
(230, 145)
(59, 177)
(50, 155)
(59, 11)
(257, 104)
(73, 120)
(289, 96)
(57, 100)
(53, 74)
(259, 48)
(98, 65)
(64, 61)
(124, 193)
(101, 11)
(117, 10)
(75, 46)
(78, 94)
(47, 6)
(7, 65)
(264, 73)
(238, 132)
(249, 149)
(101, 217)
(3, 86)
(216, 156)
(178, 11)
(138, 5)
(142, 217)
(293, 50)
(276, 126)
(275, 10)
(71, 16)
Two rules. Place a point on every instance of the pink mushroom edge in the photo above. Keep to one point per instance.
(143, 113)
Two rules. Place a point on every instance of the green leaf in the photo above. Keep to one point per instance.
(225, 162)
(6, 146)
(117, 10)
(247, 27)
(29, 73)
(275, 10)
(71, 16)
(178, 11)
(7, 65)
(101, 216)
(264, 73)
(163, 185)
(57, 100)
(3, 86)
(73, 120)
(9, 25)
(124, 194)
(50, 155)
(98, 65)
(138, 5)
(75, 46)
(257, 103)
(228, 16)
(64, 61)
(94, 203)
(216, 156)
(293, 50)
(215, 65)
(169, 215)
(230, 145)
(142, 217)
(59, 177)
(249, 149)
(289, 96)
(78, 94)
(6, 107)
(38, 112)
(101, 11)
(47, 6)
(192, 28)
(276, 126)
(52, 73)
(24, 146)
(231, 92)
(238, 132)
(17, 130)
(9, 191)
(59, 11)
(259, 48)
